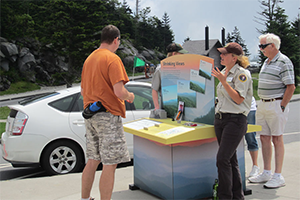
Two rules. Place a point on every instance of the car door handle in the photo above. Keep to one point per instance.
(79, 122)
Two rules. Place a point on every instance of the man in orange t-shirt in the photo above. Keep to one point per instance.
(103, 79)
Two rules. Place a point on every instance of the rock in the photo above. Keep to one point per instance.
(26, 61)
(128, 61)
(9, 50)
(4, 83)
(148, 56)
(41, 74)
(37, 63)
(5, 64)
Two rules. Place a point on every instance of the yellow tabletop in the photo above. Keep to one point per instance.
(166, 131)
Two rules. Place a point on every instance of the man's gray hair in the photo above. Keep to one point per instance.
(271, 38)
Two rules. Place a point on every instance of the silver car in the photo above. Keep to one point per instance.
(49, 130)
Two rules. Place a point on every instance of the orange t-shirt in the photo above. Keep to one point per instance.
(101, 70)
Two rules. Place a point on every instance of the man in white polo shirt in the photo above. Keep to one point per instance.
(276, 86)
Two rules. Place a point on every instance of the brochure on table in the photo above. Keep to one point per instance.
(187, 78)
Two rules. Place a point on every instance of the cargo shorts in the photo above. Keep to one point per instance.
(105, 139)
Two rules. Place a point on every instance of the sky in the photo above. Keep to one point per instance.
(190, 17)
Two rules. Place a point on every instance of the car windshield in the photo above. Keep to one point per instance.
(37, 98)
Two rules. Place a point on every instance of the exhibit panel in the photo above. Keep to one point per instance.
(177, 165)
(187, 78)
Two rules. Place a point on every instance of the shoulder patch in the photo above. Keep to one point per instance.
(242, 77)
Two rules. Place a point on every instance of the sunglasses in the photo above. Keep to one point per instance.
(263, 46)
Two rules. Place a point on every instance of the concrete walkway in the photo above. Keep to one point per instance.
(67, 187)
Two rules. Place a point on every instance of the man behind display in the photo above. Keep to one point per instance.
(275, 89)
(103, 79)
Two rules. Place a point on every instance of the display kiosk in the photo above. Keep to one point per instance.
(177, 159)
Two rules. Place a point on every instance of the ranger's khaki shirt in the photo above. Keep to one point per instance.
(240, 80)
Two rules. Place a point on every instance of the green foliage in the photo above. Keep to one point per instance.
(297, 90)
(295, 58)
(296, 62)
(63, 77)
(15, 20)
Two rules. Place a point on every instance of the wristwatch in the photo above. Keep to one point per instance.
(282, 108)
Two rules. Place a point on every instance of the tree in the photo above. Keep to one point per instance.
(16, 24)
(295, 58)
(267, 14)
(72, 29)
(137, 7)
(168, 36)
(235, 36)
(69, 28)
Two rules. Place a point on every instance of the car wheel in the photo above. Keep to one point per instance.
(62, 157)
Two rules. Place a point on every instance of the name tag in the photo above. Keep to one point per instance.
(229, 79)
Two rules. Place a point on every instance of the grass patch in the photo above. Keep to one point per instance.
(20, 87)
(4, 112)
(2, 128)
(254, 75)
(255, 84)
(297, 90)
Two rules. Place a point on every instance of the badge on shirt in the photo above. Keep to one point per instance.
(229, 79)
(242, 77)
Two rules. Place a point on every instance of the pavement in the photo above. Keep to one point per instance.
(68, 187)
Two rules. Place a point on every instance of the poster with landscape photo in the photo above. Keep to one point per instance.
(181, 81)
(169, 101)
(205, 69)
(185, 94)
(197, 83)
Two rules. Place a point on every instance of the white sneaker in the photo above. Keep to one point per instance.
(260, 178)
(254, 171)
(275, 182)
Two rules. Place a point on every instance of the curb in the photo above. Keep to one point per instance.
(296, 99)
